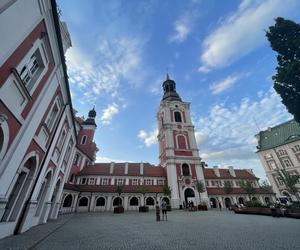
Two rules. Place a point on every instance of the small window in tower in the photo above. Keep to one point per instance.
(177, 116)
(83, 139)
(185, 169)
(171, 88)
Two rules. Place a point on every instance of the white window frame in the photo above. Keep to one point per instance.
(57, 103)
(83, 139)
(160, 182)
(148, 182)
(92, 181)
(37, 46)
(83, 181)
(134, 182)
(104, 181)
(120, 181)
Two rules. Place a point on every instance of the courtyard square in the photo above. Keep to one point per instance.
(183, 230)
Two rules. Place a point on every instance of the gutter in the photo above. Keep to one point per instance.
(62, 57)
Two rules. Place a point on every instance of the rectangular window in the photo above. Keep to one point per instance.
(297, 148)
(134, 182)
(104, 181)
(51, 118)
(272, 165)
(148, 182)
(62, 139)
(83, 181)
(160, 182)
(287, 163)
(120, 182)
(32, 69)
(91, 181)
(280, 182)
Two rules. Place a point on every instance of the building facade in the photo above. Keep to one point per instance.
(37, 128)
(93, 187)
(279, 148)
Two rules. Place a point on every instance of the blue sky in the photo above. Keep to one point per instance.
(217, 53)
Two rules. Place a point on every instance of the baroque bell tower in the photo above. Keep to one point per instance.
(178, 151)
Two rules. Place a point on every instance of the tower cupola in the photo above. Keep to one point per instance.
(169, 87)
(91, 118)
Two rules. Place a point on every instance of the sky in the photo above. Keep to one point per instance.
(217, 53)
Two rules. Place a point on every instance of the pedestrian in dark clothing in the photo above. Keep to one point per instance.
(157, 212)
(164, 209)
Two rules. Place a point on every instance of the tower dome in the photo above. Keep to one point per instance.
(169, 87)
(91, 118)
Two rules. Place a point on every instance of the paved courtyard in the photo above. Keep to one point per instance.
(184, 230)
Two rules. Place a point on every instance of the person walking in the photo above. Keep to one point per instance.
(157, 211)
(164, 209)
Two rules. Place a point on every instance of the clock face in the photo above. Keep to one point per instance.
(187, 181)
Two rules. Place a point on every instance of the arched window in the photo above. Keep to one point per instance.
(68, 201)
(83, 139)
(166, 200)
(134, 201)
(117, 202)
(83, 202)
(185, 169)
(181, 142)
(150, 201)
(177, 116)
(100, 202)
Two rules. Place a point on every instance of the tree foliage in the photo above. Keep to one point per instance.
(167, 190)
(265, 186)
(228, 187)
(290, 181)
(143, 190)
(248, 187)
(284, 38)
(200, 188)
(119, 191)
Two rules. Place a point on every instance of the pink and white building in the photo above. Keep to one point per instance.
(93, 187)
(37, 129)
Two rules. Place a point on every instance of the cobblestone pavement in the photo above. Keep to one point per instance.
(184, 230)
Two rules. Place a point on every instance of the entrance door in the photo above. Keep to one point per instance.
(189, 195)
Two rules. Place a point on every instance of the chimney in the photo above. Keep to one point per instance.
(126, 168)
(141, 168)
(111, 169)
(231, 171)
(216, 171)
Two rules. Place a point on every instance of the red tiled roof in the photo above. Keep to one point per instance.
(134, 169)
(225, 174)
(221, 191)
(112, 188)
(154, 171)
(119, 170)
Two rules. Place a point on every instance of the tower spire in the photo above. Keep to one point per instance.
(169, 87)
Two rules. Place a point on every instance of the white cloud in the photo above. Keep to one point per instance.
(104, 159)
(112, 61)
(109, 113)
(148, 138)
(242, 32)
(226, 134)
(221, 86)
(182, 29)
(184, 25)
